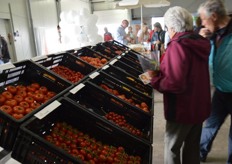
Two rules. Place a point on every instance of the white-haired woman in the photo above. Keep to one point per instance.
(184, 81)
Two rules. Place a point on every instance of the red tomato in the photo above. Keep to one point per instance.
(2, 99)
(24, 104)
(6, 108)
(39, 97)
(34, 105)
(51, 94)
(12, 89)
(43, 89)
(11, 102)
(22, 93)
(35, 85)
(18, 98)
(28, 110)
(7, 95)
(21, 87)
(31, 94)
(29, 99)
(17, 116)
(18, 109)
(31, 89)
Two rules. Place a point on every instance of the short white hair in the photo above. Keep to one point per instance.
(179, 19)
(213, 6)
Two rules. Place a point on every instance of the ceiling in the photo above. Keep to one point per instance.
(190, 5)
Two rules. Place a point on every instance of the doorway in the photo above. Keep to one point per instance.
(6, 32)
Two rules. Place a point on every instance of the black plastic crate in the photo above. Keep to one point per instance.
(67, 119)
(128, 79)
(88, 52)
(119, 45)
(123, 91)
(129, 62)
(69, 61)
(25, 73)
(132, 56)
(126, 68)
(116, 49)
(104, 51)
(101, 104)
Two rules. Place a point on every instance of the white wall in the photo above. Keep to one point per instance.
(111, 19)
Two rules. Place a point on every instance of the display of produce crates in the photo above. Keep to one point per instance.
(67, 61)
(46, 137)
(128, 79)
(103, 102)
(104, 51)
(25, 73)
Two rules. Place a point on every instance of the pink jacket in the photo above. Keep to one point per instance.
(184, 79)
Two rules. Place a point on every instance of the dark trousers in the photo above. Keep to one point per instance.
(182, 143)
(221, 108)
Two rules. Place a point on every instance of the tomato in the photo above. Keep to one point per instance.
(35, 85)
(6, 108)
(29, 99)
(17, 116)
(22, 93)
(39, 97)
(11, 102)
(46, 98)
(2, 99)
(51, 94)
(18, 109)
(24, 104)
(30, 94)
(31, 89)
(12, 89)
(21, 87)
(7, 95)
(28, 110)
(34, 105)
(43, 89)
(18, 98)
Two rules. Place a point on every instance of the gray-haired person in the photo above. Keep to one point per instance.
(184, 81)
(218, 28)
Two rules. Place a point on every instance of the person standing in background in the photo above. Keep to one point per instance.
(4, 52)
(218, 28)
(107, 35)
(143, 36)
(121, 35)
(186, 98)
(157, 39)
(130, 33)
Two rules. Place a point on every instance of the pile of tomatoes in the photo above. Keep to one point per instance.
(142, 105)
(86, 148)
(20, 100)
(121, 121)
(96, 62)
(70, 75)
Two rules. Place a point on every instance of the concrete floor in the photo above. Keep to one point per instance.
(218, 154)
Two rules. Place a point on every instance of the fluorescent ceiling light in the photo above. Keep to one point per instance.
(128, 2)
(161, 3)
